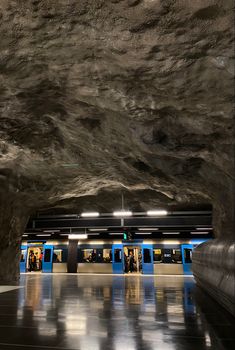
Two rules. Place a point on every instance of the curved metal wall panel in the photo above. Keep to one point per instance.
(214, 270)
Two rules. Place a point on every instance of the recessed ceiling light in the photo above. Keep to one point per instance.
(122, 213)
(90, 215)
(156, 212)
(25, 235)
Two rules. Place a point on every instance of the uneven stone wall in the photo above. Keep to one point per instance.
(99, 97)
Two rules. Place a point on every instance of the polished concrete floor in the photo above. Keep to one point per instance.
(101, 312)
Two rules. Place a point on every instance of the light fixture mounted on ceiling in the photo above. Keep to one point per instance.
(78, 236)
(90, 214)
(122, 213)
(159, 212)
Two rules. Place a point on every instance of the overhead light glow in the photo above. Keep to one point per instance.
(43, 235)
(156, 212)
(90, 215)
(78, 236)
(25, 235)
(52, 231)
(122, 213)
(143, 233)
(170, 233)
(203, 228)
(148, 229)
(199, 233)
(98, 229)
(116, 233)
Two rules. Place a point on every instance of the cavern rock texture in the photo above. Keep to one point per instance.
(103, 96)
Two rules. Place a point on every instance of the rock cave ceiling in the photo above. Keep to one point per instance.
(103, 97)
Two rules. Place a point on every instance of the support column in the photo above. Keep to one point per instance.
(12, 226)
(72, 256)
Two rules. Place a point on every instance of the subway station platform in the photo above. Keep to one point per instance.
(98, 312)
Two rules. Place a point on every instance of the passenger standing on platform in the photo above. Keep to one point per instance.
(40, 260)
(131, 262)
(31, 261)
(34, 262)
(126, 263)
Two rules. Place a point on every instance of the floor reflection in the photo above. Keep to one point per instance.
(112, 312)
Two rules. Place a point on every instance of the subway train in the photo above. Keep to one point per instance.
(153, 257)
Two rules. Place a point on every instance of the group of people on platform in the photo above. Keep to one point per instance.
(131, 263)
(35, 261)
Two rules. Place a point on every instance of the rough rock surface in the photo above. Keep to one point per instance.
(103, 96)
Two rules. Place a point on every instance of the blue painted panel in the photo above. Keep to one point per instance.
(186, 250)
(47, 258)
(117, 258)
(147, 259)
(23, 258)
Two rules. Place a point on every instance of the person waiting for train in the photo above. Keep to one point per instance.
(40, 260)
(126, 263)
(32, 261)
(131, 262)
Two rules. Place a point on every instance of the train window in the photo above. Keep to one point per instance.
(157, 255)
(188, 255)
(47, 255)
(176, 256)
(117, 255)
(57, 256)
(95, 256)
(22, 256)
(107, 255)
(147, 256)
(89, 255)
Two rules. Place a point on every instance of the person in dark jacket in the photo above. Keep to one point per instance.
(131, 262)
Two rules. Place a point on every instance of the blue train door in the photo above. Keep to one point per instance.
(186, 250)
(23, 258)
(147, 259)
(117, 258)
(47, 258)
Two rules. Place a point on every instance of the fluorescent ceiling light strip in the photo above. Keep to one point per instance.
(122, 213)
(199, 233)
(116, 233)
(25, 235)
(148, 229)
(143, 233)
(42, 235)
(98, 229)
(90, 215)
(170, 233)
(78, 236)
(52, 231)
(204, 228)
(157, 212)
